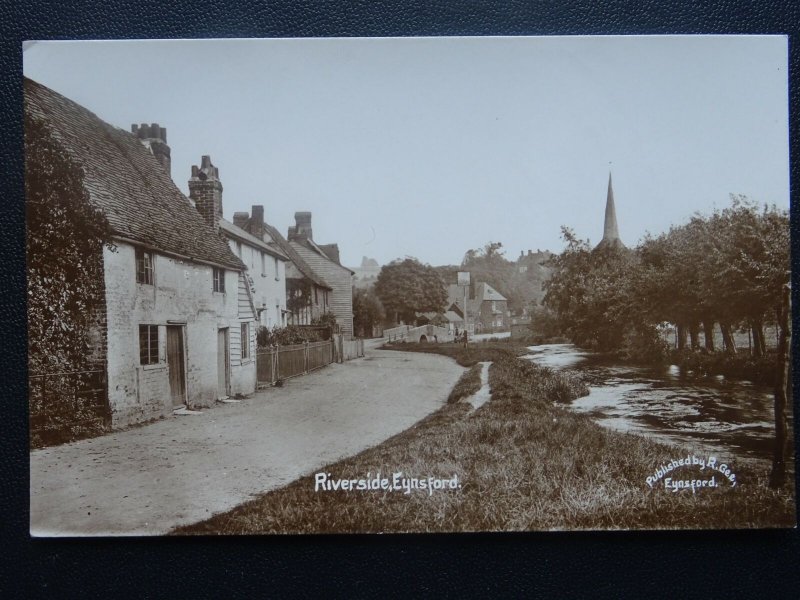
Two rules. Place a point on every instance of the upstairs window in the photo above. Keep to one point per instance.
(144, 266)
(219, 280)
(277, 272)
(263, 264)
(148, 344)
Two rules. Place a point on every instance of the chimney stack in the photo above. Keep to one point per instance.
(154, 138)
(257, 221)
(240, 219)
(302, 227)
(205, 189)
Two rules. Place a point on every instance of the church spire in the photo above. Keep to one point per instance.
(610, 230)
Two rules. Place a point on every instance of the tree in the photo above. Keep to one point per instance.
(64, 253)
(367, 311)
(65, 240)
(727, 268)
(299, 293)
(592, 295)
(406, 287)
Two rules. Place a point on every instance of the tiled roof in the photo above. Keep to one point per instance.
(298, 260)
(322, 251)
(127, 183)
(331, 251)
(453, 317)
(483, 292)
(241, 234)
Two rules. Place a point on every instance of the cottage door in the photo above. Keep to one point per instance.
(223, 364)
(177, 364)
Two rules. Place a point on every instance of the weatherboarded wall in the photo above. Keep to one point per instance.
(341, 281)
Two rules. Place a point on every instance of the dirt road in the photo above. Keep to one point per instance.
(148, 480)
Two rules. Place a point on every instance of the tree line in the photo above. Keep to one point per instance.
(725, 270)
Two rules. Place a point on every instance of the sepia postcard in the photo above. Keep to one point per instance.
(379, 285)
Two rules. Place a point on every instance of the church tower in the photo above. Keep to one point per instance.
(610, 230)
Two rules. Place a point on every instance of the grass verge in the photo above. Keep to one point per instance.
(522, 462)
(468, 384)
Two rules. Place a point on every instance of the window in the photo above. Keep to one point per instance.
(239, 249)
(245, 341)
(263, 264)
(316, 296)
(144, 266)
(277, 272)
(148, 344)
(219, 280)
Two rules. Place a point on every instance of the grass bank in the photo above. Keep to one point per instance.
(468, 384)
(522, 463)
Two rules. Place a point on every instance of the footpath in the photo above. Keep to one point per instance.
(147, 480)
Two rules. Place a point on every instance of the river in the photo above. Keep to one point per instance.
(729, 417)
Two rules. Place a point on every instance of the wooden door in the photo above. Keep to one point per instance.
(177, 365)
(223, 364)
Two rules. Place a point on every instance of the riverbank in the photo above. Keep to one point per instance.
(760, 370)
(741, 366)
(522, 462)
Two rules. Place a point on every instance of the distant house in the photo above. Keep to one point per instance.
(487, 309)
(452, 320)
(324, 260)
(176, 327)
(307, 295)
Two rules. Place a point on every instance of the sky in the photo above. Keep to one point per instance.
(428, 147)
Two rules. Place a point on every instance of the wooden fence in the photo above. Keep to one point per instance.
(276, 363)
(351, 349)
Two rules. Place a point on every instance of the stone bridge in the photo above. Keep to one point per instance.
(423, 333)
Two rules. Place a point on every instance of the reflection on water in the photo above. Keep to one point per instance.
(721, 415)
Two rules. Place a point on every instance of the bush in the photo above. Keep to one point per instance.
(285, 336)
(643, 344)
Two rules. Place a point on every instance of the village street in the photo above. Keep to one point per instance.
(150, 479)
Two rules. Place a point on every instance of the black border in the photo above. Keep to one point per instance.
(739, 563)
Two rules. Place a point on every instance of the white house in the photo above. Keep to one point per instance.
(177, 324)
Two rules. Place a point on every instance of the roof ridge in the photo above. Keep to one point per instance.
(126, 183)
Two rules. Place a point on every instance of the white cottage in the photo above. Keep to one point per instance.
(177, 326)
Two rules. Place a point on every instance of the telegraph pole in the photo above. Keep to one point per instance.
(463, 281)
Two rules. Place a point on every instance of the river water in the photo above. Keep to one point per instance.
(729, 417)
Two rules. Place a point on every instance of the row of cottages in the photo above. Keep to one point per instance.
(317, 282)
(487, 309)
(177, 324)
(263, 286)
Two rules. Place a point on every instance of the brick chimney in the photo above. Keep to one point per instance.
(257, 221)
(302, 227)
(240, 219)
(205, 189)
(154, 138)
